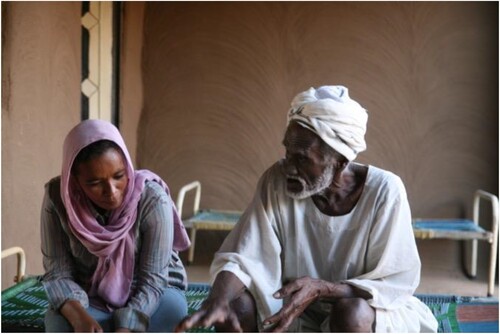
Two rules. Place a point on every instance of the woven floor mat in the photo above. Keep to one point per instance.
(24, 306)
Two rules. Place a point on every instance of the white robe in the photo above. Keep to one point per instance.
(373, 247)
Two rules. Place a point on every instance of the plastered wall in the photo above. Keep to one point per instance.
(219, 78)
(131, 96)
(40, 104)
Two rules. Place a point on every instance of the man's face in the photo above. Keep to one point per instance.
(306, 170)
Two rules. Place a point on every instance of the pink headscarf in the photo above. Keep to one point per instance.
(114, 243)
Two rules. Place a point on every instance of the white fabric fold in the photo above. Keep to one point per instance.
(333, 116)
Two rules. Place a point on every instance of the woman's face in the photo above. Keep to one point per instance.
(104, 179)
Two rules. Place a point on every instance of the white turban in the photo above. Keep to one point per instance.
(333, 116)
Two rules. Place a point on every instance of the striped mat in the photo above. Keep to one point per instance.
(459, 314)
(24, 305)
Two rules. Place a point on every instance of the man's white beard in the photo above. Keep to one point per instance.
(323, 181)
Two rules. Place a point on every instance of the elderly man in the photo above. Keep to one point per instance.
(326, 244)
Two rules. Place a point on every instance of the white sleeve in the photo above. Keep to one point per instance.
(252, 251)
(393, 262)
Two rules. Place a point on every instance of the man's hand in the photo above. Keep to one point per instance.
(212, 312)
(79, 318)
(216, 310)
(299, 294)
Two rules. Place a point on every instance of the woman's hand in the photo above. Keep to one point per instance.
(298, 295)
(123, 330)
(79, 318)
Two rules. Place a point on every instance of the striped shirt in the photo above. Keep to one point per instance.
(69, 266)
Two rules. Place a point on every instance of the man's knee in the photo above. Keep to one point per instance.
(352, 315)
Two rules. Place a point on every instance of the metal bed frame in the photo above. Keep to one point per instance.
(464, 229)
(215, 220)
(21, 261)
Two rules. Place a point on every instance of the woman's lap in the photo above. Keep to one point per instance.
(171, 310)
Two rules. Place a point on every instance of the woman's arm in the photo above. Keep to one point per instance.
(156, 230)
(58, 280)
(79, 318)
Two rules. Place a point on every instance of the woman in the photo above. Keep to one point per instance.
(110, 240)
